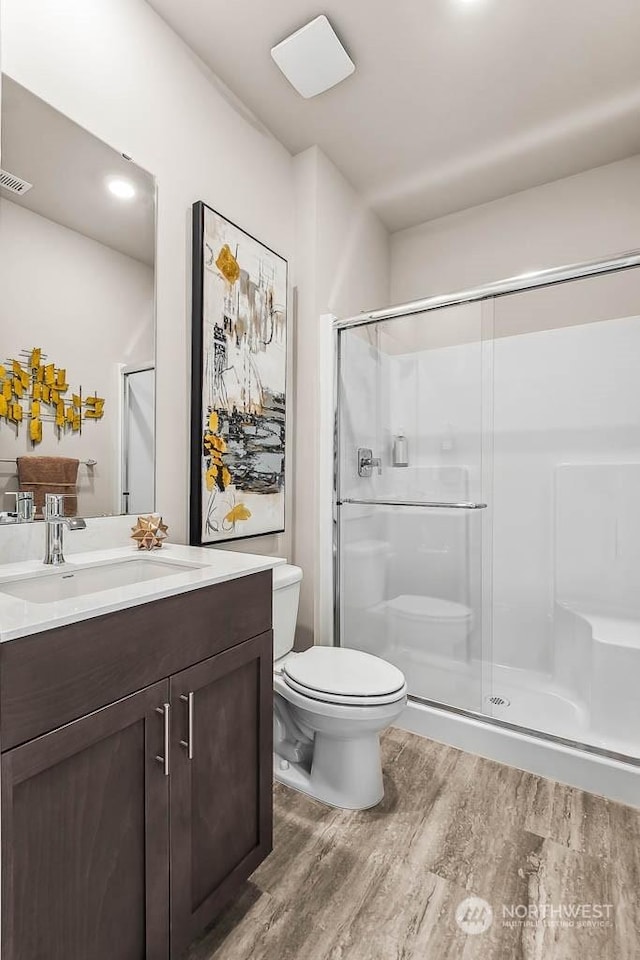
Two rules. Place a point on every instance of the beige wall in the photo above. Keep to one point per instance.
(589, 216)
(90, 309)
(114, 67)
(342, 268)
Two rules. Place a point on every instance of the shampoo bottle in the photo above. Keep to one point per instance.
(400, 450)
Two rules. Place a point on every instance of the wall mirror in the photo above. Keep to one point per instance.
(77, 316)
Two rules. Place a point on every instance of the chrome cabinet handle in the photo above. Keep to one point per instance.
(165, 711)
(188, 743)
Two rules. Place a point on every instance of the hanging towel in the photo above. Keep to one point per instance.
(42, 475)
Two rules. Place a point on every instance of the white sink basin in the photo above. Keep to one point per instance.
(66, 583)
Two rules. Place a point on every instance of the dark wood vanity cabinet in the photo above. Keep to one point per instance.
(221, 796)
(84, 838)
(125, 831)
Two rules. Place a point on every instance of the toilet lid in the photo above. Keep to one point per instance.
(418, 607)
(338, 672)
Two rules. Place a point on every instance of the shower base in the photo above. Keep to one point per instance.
(543, 754)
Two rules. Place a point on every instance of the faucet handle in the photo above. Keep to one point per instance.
(24, 504)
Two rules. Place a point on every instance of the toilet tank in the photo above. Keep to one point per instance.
(286, 593)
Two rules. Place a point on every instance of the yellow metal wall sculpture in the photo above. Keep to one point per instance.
(33, 390)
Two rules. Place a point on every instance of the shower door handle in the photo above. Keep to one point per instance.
(429, 504)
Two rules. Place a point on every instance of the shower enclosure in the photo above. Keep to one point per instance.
(487, 505)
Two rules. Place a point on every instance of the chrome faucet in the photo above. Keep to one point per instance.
(367, 461)
(55, 522)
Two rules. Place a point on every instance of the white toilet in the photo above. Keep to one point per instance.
(330, 706)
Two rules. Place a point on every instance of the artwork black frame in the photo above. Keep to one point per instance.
(197, 362)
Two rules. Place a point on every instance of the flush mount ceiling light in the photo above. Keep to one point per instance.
(122, 189)
(313, 59)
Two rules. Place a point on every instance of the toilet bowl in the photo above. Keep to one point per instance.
(330, 706)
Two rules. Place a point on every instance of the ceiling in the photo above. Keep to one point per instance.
(68, 168)
(452, 104)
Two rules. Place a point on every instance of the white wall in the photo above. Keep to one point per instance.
(343, 268)
(586, 217)
(90, 309)
(116, 68)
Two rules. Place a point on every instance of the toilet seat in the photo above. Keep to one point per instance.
(341, 676)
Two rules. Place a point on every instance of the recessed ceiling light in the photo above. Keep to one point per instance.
(313, 59)
(122, 189)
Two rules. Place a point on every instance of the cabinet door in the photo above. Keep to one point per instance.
(221, 783)
(85, 838)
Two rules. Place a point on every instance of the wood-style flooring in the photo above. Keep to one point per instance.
(385, 884)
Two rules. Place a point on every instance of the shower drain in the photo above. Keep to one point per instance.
(499, 701)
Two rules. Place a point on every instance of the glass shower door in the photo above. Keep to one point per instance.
(488, 509)
(410, 498)
(566, 511)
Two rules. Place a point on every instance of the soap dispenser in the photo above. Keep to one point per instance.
(400, 456)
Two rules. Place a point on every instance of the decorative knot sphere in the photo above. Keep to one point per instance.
(149, 532)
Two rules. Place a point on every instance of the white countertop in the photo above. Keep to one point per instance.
(20, 618)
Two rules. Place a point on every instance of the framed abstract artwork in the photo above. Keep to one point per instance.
(238, 406)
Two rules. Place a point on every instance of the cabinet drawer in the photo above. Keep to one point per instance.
(60, 675)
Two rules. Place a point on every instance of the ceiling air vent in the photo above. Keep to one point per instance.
(9, 181)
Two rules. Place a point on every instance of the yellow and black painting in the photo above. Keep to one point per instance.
(243, 356)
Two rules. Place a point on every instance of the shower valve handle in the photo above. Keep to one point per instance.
(366, 462)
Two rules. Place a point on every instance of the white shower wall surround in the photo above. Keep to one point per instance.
(539, 415)
(545, 408)
(534, 407)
